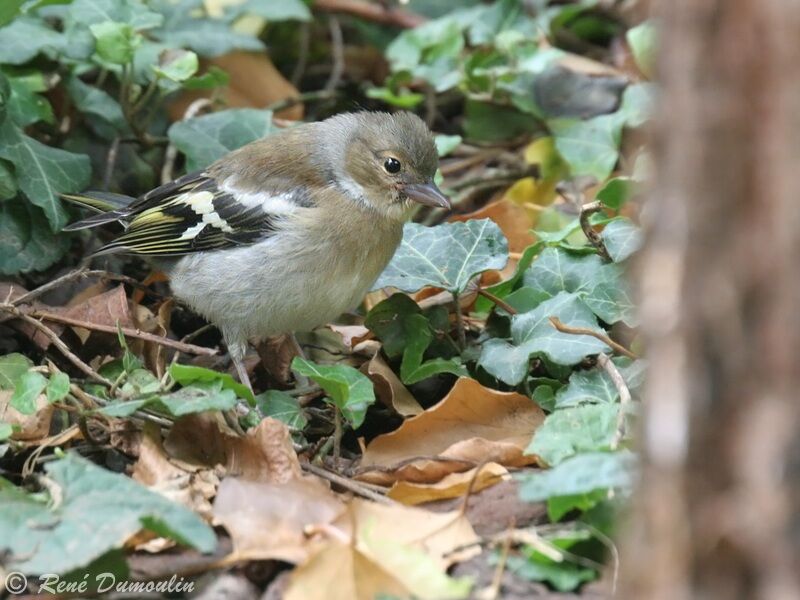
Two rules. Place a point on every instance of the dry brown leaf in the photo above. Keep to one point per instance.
(254, 83)
(106, 308)
(471, 425)
(352, 335)
(31, 427)
(270, 520)
(276, 353)
(265, 453)
(192, 486)
(453, 485)
(369, 553)
(389, 389)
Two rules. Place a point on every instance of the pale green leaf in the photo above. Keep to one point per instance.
(27, 389)
(95, 511)
(581, 474)
(446, 256)
(12, 367)
(187, 374)
(44, 172)
(278, 11)
(622, 238)
(566, 432)
(57, 387)
(24, 38)
(350, 390)
(282, 406)
(205, 139)
(643, 41)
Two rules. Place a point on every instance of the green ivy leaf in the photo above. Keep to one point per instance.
(643, 41)
(570, 431)
(9, 9)
(445, 144)
(207, 37)
(595, 386)
(533, 333)
(28, 388)
(214, 77)
(188, 374)
(616, 192)
(601, 286)
(177, 65)
(97, 510)
(24, 38)
(446, 256)
(205, 139)
(563, 576)
(198, 397)
(278, 11)
(116, 42)
(108, 119)
(581, 474)
(622, 238)
(26, 241)
(12, 367)
(6, 431)
(44, 172)
(401, 99)
(133, 12)
(280, 405)
(25, 105)
(590, 147)
(350, 390)
(58, 387)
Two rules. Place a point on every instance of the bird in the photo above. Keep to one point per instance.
(285, 233)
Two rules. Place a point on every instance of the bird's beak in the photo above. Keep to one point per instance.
(427, 194)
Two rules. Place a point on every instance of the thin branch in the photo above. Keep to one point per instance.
(78, 274)
(618, 348)
(302, 55)
(134, 333)
(111, 162)
(348, 484)
(499, 302)
(372, 11)
(595, 239)
(624, 396)
(56, 341)
(337, 55)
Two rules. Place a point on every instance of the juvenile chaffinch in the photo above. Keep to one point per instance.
(287, 232)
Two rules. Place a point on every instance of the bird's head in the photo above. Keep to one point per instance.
(385, 161)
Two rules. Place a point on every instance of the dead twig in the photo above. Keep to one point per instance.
(500, 303)
(624, 396)
(337, 55)
(134, 333)
(616, 347)
(595, 239)
(77, 274)
(56, 341)
(348, 484)
(372, 11)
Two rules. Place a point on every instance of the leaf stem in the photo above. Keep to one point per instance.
(462, 336)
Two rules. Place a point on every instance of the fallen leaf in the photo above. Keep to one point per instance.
(395, 550)
(186, 484)
(471, 425)
(270, 520)
(352, 335)
(31, 427)
(276, 353)
(389, 389)
(453, 485)
(265, 453)
(107, 308)
(254, 83)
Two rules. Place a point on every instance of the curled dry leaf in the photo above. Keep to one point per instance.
(352, 335)
(276, 353)
(270, 520)
(395, 550)
(471, 425)
(453, 485)
(106, 308)
(190, 485)
(265, 453)
(389, 389)
(31, 427)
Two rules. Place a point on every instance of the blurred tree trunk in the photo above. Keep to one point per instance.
(719, 512)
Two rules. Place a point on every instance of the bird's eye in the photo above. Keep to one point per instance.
(392, 165)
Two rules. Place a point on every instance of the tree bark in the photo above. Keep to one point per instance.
(718, 513)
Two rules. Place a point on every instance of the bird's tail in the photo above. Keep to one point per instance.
(109, 206)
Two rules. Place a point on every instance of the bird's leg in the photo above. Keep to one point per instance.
(301, 380)
(237, 351)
